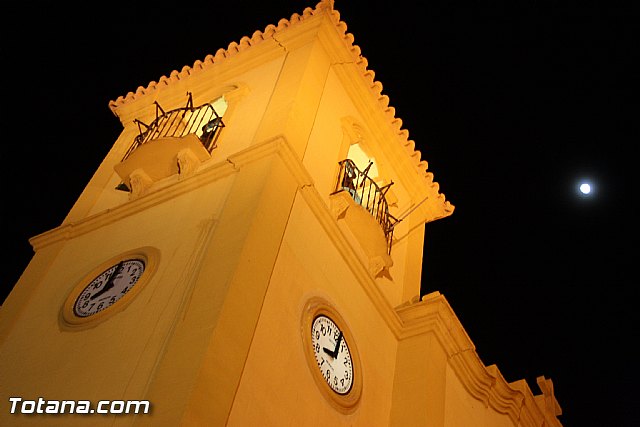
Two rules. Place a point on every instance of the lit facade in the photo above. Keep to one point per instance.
(240, 240)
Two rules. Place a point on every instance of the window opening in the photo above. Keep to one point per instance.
(205, 121)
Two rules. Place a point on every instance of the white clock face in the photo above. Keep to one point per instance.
(332, 354)
(108, 287)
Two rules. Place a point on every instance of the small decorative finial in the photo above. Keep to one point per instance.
(325, 4)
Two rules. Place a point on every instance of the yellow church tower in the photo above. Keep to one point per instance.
(249, 253)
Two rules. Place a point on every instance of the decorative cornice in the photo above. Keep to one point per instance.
(504, 398)
(431, 315)
(434, 315)
(277, 146)
(222, 54)
(73, 229)
(324, 7)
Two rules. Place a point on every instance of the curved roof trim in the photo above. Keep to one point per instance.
(324, 6)
(433, 315)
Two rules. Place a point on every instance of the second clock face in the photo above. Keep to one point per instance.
(108, 287)
(332, 354)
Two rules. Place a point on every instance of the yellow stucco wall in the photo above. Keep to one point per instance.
(308, 266)
(242, 244)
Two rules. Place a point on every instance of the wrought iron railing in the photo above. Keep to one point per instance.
(203, 121)
(368, 194)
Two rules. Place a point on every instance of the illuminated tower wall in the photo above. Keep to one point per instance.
(311, 201)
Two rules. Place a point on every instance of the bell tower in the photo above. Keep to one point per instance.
(249, 252)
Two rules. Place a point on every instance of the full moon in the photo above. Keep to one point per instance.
(585, 188)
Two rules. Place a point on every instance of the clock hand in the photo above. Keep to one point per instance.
(109, 283)
(335, 352)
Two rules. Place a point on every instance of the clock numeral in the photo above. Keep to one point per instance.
(317, 348)
(108, 287)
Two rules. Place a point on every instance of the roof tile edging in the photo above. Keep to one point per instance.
(360, 61)
(376, 89)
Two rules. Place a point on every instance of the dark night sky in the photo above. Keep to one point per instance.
(510, 102)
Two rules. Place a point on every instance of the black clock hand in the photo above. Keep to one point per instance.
(109, 283)
(335, 352)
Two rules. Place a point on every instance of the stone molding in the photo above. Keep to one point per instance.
(350, 56)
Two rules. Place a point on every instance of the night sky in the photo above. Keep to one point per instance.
(512, 103)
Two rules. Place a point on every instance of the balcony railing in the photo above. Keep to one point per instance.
(203, 121)
(368, 194)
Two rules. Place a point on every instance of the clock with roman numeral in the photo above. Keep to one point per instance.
(332, 354)
(109, 286)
